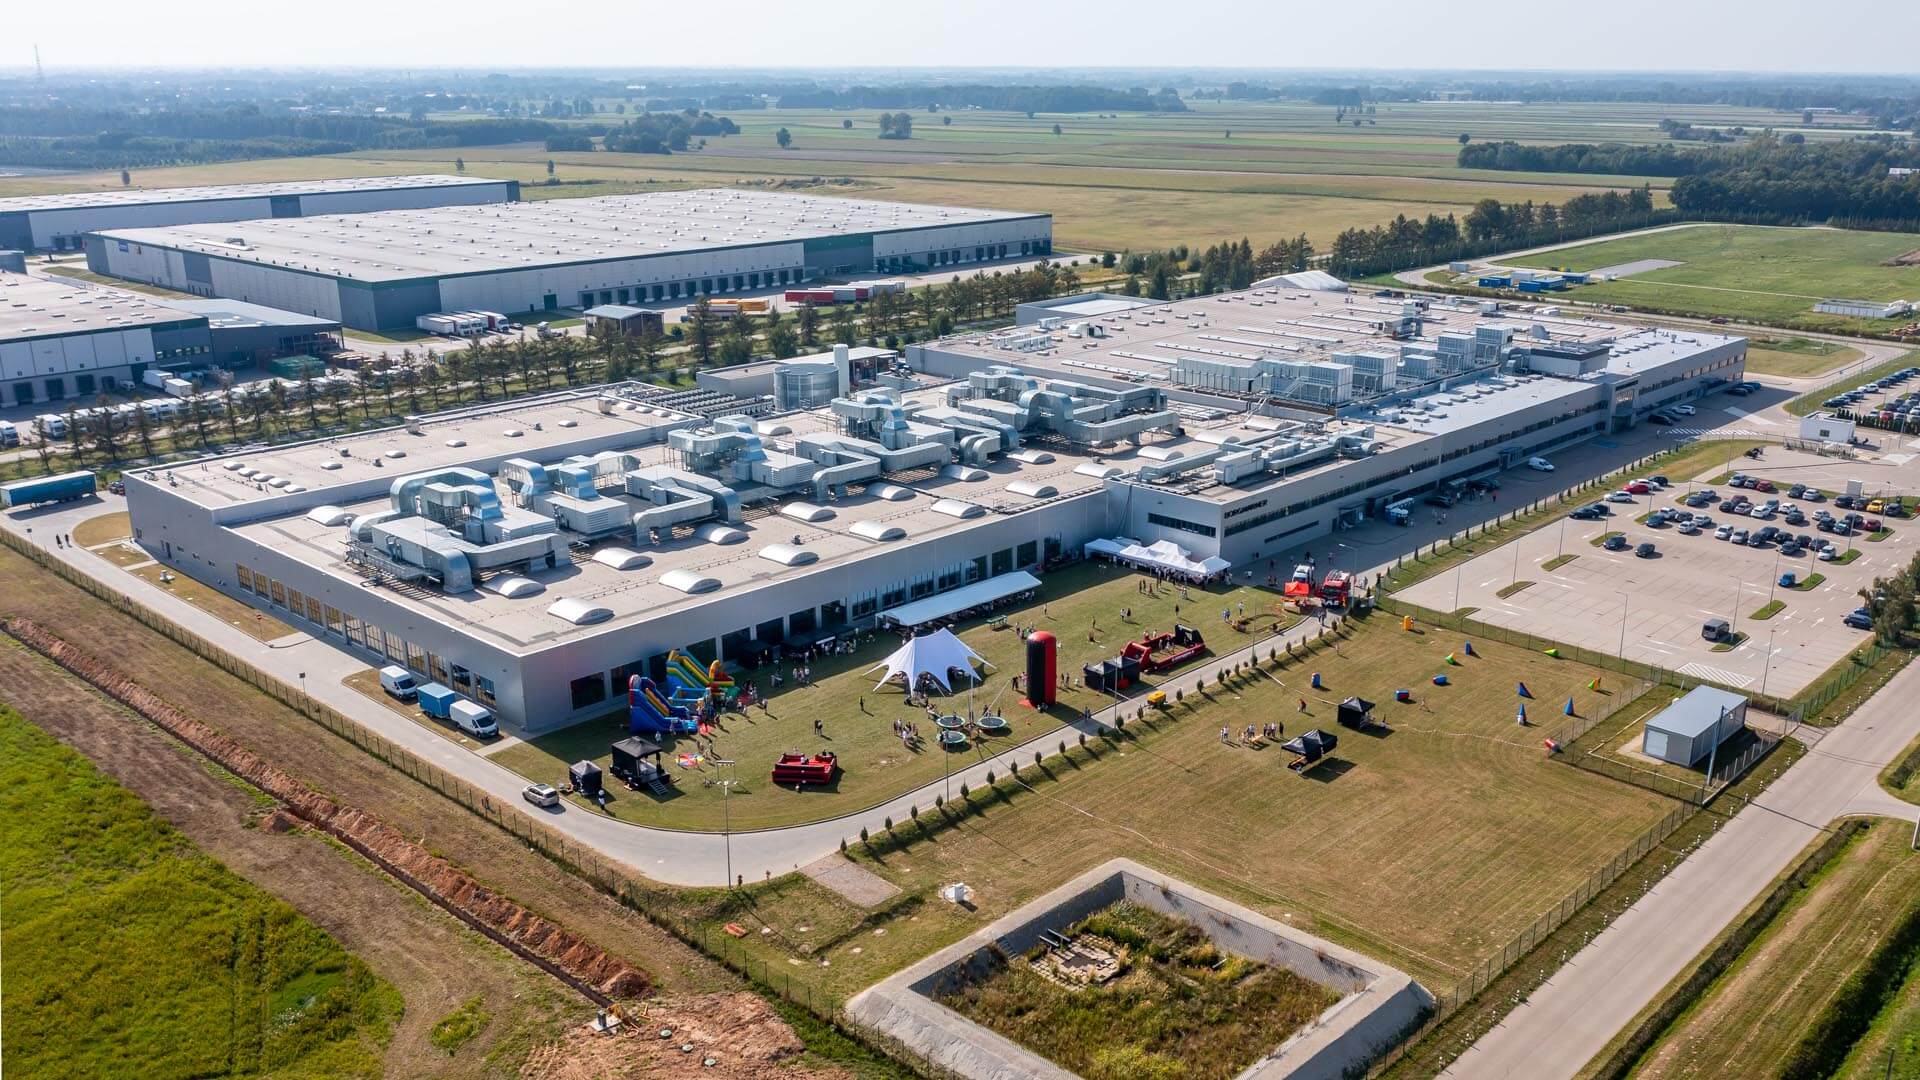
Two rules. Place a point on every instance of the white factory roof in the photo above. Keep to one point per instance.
(396, 245)
(77, 200)
(33, 307)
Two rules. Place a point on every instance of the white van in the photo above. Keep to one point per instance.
(9, 435)
(475, 720)
(51, 426)
(399, 682)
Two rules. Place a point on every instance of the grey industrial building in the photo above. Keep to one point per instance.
(58, 222)
(71, 342)
(534, 554)
(382, 271)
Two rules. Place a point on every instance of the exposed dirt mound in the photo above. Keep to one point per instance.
(739, 1032)
(1911, 258)
(560, 952)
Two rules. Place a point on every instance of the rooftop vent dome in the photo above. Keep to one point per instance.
(621, 558)
(878, 530)
(579, 612)
(789, 555)
(329, 516)
(807, 512)
(963, 472)
(512, 586)
(689, 581)
(1033, 489)
(890, 492)
(956, 509)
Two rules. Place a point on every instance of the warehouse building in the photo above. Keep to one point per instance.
(58, 222)
(60, 342)
(382, 271)
(248, 335)
(1865, 309)
(535, 554)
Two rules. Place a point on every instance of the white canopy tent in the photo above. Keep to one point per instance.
(1161, 555)
(941, 605)
(936, 654)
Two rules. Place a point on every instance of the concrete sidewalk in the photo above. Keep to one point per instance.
(1575, 1014)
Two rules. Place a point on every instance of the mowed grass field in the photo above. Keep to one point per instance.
(130, 953)
(1428, 847)
(1080, 605)
(1759, 1010)
(1264, 171)
(1748, 272)
(1797, 357)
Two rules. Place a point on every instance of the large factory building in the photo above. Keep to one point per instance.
(535, 554)
(382, 271)
(57, 222)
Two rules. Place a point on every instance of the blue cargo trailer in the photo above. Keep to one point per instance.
(437, 701)
(45, 489)
(1495, 282)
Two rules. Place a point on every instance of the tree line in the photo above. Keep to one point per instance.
(1491, 226)
(1029, 99)
(1768, 179)
(71, 137)
(649, 133)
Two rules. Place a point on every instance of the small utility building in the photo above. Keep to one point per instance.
(1688, 730)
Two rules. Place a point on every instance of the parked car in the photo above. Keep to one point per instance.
(1586, 513)
(1716, 630)
(1646, 551)
(1724, 532)
(1616, 542)
(398, 682)
(1636, 487)
(1620, 497)
(1829, 553)
(1539, 464)
(1858, 621)
(1688, 528)
(1684, 410)
(1763, 485)
(1740, 536)
(1797, 491)
(541, 795)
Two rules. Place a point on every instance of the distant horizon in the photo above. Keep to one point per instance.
(1625, 37)
(1329, 71)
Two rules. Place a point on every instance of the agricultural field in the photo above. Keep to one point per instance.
(131, 952)
(1222, 171)
(1080, 605)
(1773, 275)
(1178, 1006)
(1428, 845)
(1763, 1005)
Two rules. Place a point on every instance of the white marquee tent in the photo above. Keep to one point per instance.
(936, 654)
(1161, 555)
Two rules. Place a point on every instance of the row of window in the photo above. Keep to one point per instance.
(366, 635)
(1182, 525)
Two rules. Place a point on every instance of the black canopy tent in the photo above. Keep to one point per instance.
(585, 777)
(1357, 713)
(1309, 748)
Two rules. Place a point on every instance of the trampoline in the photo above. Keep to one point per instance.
(950, 722)
(992, 723)
(953, 738)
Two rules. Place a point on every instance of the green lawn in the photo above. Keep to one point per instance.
(1759, 1009)
(1797, 357)
(1428, 847)
(130, 953)
(858, 719)
(1178, 1008)
(1749, 272)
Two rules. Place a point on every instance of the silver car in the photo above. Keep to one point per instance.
(541, 795)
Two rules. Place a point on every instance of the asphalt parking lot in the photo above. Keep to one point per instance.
(1652, 609)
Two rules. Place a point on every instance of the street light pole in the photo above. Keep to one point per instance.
(726, 811)
(1621, 652)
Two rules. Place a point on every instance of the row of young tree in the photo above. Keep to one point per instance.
(1890, 600)
(1489, 227)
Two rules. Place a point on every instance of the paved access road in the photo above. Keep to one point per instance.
(1576, 1013)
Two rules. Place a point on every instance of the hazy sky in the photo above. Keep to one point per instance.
(1747, 35)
